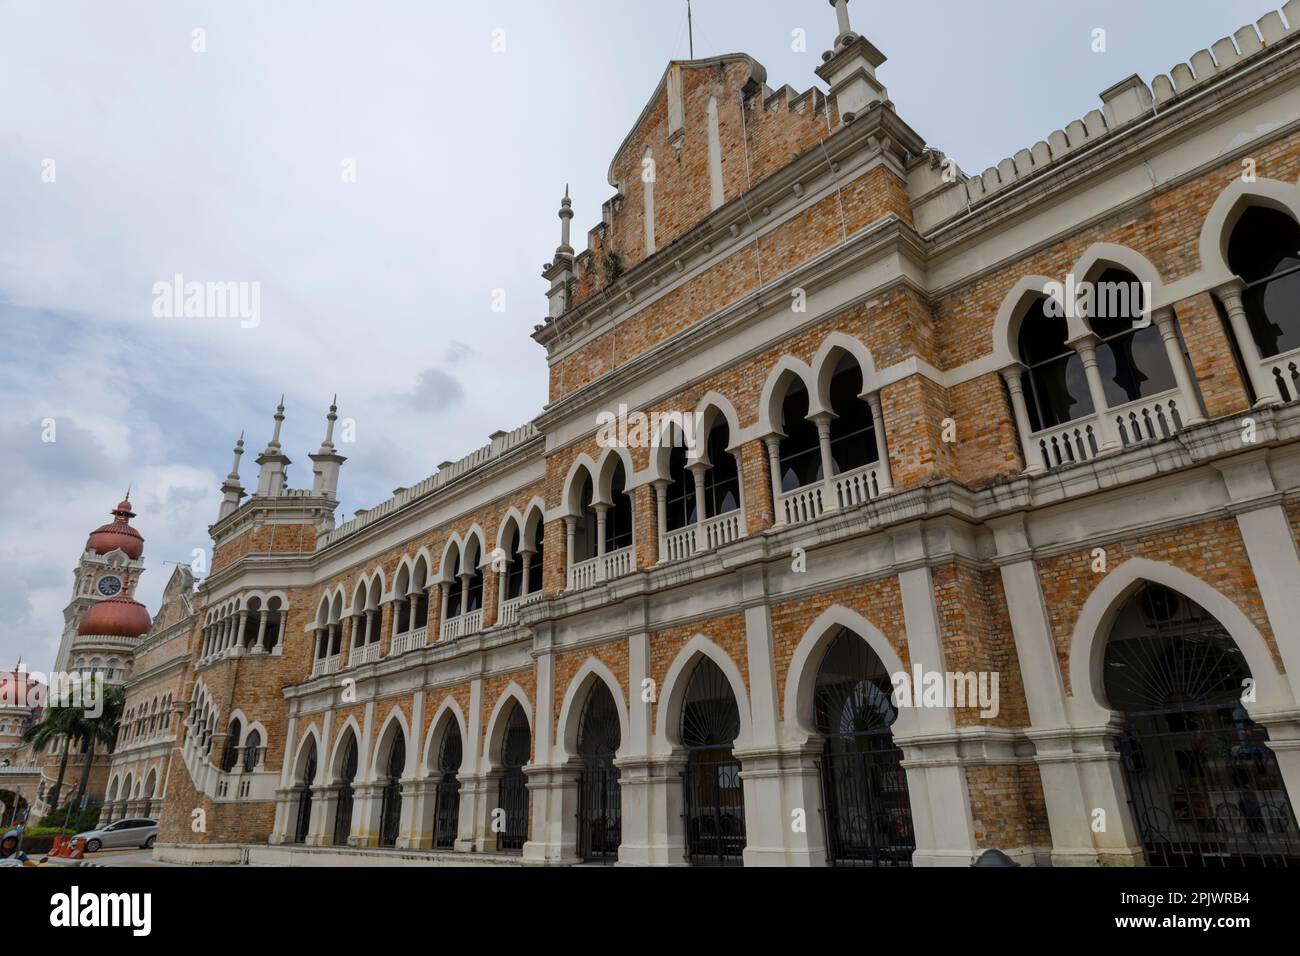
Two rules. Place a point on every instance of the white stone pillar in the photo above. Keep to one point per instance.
(882, 443)
(1168, 328)
(1230, 294)
(1020, 410)
(1086, 346)
(774, 471)
(823, 422)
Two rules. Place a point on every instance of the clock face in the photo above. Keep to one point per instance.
(109, 585)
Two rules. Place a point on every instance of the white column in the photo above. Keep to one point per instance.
(774, 471)
(1265, 388)
(1033, 461)
(661, 516)
(823, 422)
(698, 471)
(1086, 346)
(882, 444)
(1191, 410)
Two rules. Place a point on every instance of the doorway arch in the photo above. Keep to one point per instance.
(600, 800)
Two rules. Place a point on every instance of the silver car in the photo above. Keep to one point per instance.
(133, 831)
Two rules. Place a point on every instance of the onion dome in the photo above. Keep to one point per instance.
(115, 617)
(118, 534)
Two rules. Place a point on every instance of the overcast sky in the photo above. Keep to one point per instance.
(126, 157)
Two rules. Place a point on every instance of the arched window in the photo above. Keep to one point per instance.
(585, 528)
(618, 522)
(252, 751)
(801, 458)
(274, 621)
(515, 570)
(722, 480)
(1056, 390)
(302, 826)
(230, 753)
(390, 807)
(681, 484)
(853, 432)
(1264, 251)
(536, 559)
(455, 588)
(446, 824)
(1132, 360)
(600, 801)
(1204, 785)
(343, 811)
(868, 813)
(714, 796)
(512, 793)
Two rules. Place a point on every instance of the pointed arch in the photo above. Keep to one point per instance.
(336, 753)
(447, 715)
(582, 467)
(677, 679)
(496, 723)
(1103, 255)
(534, 520)
(512, 518)
(309, 739)
(1006, 325)
(591, 672)
(451, 555)
(833, 347)
(801, 676)
(393, 724)
(474, 553)
(1096, 618)
(1232, 202)
(603, 476)
(787, 370)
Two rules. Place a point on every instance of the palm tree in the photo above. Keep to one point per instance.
(99, 730)
(57, 723)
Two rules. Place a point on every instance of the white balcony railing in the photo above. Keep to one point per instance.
(1149, 419)
(364, 655)
(1283, 372)
(410, 641)
(604, 567)
(677, 545)
(326, 665)
(802, 505)
(470, 623)
(1076, 441)
(704, 536)
(859, 486)
(509, 615)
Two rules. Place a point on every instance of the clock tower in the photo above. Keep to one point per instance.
(103, 621)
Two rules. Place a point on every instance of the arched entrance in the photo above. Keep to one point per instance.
(714, 795)
(1203, 784)
(446, 823)
(600, 800)
(303, 825)
(868, 814)
(348, 773)
(512, 793)
(390, 807)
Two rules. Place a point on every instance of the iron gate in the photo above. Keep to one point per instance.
(600, 800)
(512, 794)
(390, 806)
(1206, 791)
(343, 814)
(1204, 787)
(303, 827)
(714, 796)
(865, 805)
(446, 823)
(715, 809)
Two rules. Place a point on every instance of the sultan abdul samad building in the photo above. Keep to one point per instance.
(920, 451)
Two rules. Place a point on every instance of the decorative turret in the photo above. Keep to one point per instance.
(850, 69)
(327, 461)
(561, 272)
(273, 463)
(231, 490)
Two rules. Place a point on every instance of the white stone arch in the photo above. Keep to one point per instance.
(448, 713)
(801, 677)
(570, 505)
(708, 410)
(534, 520)
(335, 763)
(1097, 617)
(323, 612)
(393, 724)
(676, 680)
(360, 596)
(1101, 254)
(257, 726)
(114, 784)
(475, 554)
(1006, 325)
(152, 784)
(827, 358)
(512, 515)
(496, 724)
(591, 672)
(429, 563)
(787, 369)
(128, 786)
(1233, 201)
(603, 476)
(402, 576)
(452, 552)
(310, 737)
(238, 715)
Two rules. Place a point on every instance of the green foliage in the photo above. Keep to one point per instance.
(53, 822)
(613, 266)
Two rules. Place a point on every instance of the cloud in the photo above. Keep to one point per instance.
(436, 391)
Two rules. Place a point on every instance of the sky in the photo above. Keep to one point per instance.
(386, 175)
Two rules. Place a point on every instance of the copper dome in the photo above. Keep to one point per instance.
(115, 617)
(118, 534)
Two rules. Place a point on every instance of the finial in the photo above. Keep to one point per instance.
(279, 420)
(566, 214)
(842, 15)
(330, 419)
(239, 452)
